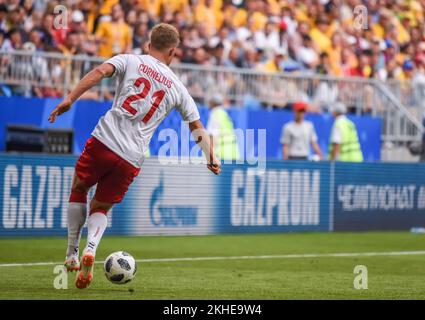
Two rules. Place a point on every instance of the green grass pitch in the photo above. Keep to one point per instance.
(318, 277)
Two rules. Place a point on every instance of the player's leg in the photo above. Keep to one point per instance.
(90, 167)
(110, 190)
(77, 213)
(96, 225)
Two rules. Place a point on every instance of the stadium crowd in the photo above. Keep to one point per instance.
(331, 37)
(324, 36)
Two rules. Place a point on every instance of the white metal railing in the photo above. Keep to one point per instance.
(411, 94)
(41, 73)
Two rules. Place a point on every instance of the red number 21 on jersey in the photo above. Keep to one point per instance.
(157, 95)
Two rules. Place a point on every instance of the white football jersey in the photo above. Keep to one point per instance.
(147, 91)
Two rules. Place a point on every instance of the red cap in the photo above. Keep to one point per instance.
(300, 106)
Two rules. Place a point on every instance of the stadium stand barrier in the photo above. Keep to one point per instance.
(411, 94)
(178, 198)
(53, 74)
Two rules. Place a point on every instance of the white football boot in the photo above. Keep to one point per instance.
(72, 263)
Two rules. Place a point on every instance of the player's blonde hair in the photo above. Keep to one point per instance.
(164, 36)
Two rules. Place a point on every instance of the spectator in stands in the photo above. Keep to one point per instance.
(321, 34)
(17, 18)
(115, 36)
(344, 142)
(201, 56)
(48, 33)
(221, 130)
(131, 18)
(307, 53)
(363, 67)
(234, 60)
(35, 38)
(3, 18)
(408, 70)
(296, 38)
(141, 36)
(71, 45)
(275, 63)
(269, 38)
(15, 37)
(324, 66)
(5, 44)
(298, 135)
(78, 23)
(250, 58)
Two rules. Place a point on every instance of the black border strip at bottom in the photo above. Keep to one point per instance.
(209, 310)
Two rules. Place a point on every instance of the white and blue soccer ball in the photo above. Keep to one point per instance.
(120, 267)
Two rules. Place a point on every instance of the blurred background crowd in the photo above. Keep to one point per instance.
(274, 54)
(321, 36)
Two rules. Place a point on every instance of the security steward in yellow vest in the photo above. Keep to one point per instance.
(221, 130)
(344, 142)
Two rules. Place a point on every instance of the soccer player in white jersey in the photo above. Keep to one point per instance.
(147, 91)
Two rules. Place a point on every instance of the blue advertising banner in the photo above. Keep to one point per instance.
(379, 196)
(180, 197)
(175, 198)
(284, 196)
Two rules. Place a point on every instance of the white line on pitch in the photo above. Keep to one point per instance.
(283, 256)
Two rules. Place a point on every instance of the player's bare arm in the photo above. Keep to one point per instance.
(203, 139)
(105, 70)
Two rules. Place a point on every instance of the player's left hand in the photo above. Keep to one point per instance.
(61, 108)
